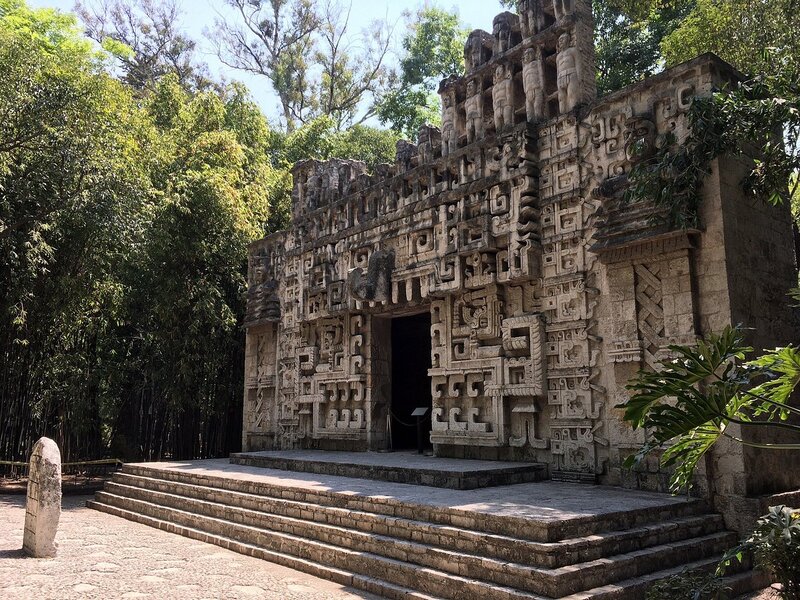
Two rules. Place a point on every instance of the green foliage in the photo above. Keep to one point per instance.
(737, 31)
(433, 48)
(123, 233)
(628, 38)
(693, 585)
(775, 545)
(124, 225)
(48, 29)
(321, 139)
(373, 146)
(760, 118)
(690, 402)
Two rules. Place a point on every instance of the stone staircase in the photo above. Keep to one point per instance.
(399, 549)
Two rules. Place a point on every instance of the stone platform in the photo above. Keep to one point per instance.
(530, 541)
(397, 467)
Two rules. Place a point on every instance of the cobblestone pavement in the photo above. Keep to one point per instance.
(102, 556)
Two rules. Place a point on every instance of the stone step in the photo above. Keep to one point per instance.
(395, 572)
(393, 467)
(473, 520)
(340, 576)
(505, 548)
(551, 582)
(636, 588)
(631, 589)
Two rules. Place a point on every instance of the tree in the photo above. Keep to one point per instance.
(283, 39)
(348, 79)
(187, 276)
(72, 145)
(738, 31)
(145, 39)
(321, 140)
(272, 39)
(433, 49)
(628, 38)
(123, 231)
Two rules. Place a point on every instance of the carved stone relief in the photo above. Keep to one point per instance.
(506, 224)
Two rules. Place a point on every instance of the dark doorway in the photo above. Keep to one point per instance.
(411, 386)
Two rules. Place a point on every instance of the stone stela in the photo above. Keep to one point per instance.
(43, 505)
(502, 236)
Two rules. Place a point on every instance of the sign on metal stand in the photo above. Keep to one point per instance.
(420, 412)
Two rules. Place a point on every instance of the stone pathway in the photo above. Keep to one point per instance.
(101, 556)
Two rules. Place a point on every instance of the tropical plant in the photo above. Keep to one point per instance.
(691, 401)
(758, 118)
(691, 585)
(775, 545)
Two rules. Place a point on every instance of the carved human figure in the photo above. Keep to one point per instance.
(533, 83)
(473, 53)
(562, 8)
(503, 98)
(324, 189)
(428, 138)
(405, 152)
(531, 17)
(568, 65)
(473, 106)
(449, 133)
(312, 192)
(477, 49)
(344, 175)
(501, 30)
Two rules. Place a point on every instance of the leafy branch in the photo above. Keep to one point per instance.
(759, 118)
(690, 402)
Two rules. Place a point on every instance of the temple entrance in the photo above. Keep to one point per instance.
(411, 386)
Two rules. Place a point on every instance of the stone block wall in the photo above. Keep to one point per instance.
(546, 290)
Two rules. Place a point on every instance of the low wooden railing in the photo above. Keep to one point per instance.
(11, 469)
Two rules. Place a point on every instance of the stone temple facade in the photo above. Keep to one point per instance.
(494, 275)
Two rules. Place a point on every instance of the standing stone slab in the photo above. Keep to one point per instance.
(43, 508)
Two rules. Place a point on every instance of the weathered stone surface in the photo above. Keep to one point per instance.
(546, 292)
(151, 564)
(43, 508)
(525, 541)
(397, 467)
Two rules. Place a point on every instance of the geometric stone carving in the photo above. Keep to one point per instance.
(650, 312)
(545, 290)
(376, 284)
(43, 506)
